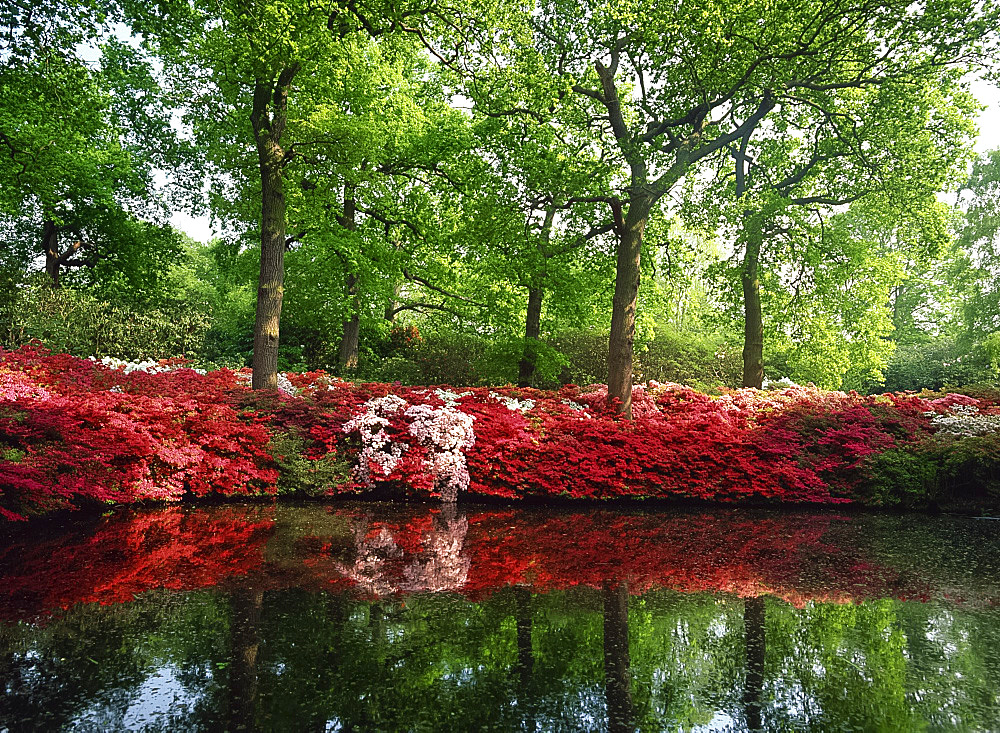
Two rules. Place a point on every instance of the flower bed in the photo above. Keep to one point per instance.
(75, 431)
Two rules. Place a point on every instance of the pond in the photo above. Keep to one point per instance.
(368, 616)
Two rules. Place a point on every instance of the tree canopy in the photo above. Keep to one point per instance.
(486, 185)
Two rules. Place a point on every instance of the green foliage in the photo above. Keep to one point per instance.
(683, 357)
(908, 477)
(13, 455)
(305, 476)
(79, 323)
(570, 357)
(971, 466)
(943, 472)
(941, 363)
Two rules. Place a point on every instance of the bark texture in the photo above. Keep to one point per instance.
(268, 118)
(347, 359)
(532, 331)
(753, 323)
(54, 258)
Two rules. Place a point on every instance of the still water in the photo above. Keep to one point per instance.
(371, 617)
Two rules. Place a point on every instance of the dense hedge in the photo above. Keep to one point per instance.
(78, 323)
(73, 431)
(571, 357)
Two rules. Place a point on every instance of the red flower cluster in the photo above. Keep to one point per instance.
(72, 430)
(89, 433)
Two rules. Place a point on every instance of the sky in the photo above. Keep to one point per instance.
(989, 120)
(199, 227)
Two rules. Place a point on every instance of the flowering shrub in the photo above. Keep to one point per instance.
(86, 432)
(75, 430)
(446, 433)
(379, 453)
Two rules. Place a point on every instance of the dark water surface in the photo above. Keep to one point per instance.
(376, 617)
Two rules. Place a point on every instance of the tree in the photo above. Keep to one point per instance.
(244, 68)
(828, 149)
(671, 87)
(80, 145)
(980, 241)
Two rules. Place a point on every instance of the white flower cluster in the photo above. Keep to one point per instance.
(964, 421)
(450, 398)
(513, 404)
(379, 453)
(783, 383)
(246, 378)
(148, 366)
(446, 433)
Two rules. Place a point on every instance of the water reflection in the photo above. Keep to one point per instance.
(375, 617)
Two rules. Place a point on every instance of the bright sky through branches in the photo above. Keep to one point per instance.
(199, 227)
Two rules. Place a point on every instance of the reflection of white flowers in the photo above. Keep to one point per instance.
(441, 566)
(369, 567)
(446, 433)
(438, 566)
(964, 421)
(379, 454)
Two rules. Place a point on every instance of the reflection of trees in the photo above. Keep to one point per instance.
(522, 622)
(525, 656)
(617, 670)
(87, 667)
(244, 631)
(754, 618)
(513, 661)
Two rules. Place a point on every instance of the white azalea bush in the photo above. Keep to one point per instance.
(444, 432)
(964, 421)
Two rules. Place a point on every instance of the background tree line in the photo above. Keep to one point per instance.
(485, 192)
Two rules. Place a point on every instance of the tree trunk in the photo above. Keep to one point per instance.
(392, 236)
(754, 617)
(348, 357)
(271, 282)
(245, 641)
(617, 668)
(621, 344)
(50, 246)
(532, 330)
(268, 118)
(390, 310)
(753, 325)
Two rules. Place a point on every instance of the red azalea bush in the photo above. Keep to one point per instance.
(75, 431)
(90, 433)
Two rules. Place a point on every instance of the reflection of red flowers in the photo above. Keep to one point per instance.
(125, 556)
(793, 557)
